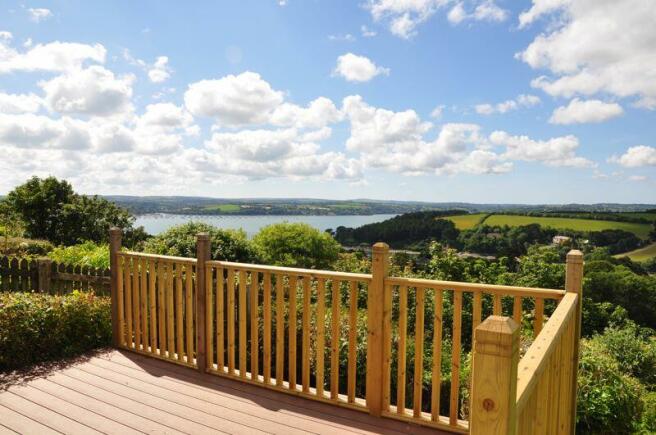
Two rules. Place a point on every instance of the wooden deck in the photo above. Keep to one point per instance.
(121, 392)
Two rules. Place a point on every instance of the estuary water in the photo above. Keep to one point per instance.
(157, 223)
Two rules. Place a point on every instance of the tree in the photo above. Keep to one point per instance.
(296, 245)
(10, 223)
(180, 241)
(652, 233)
(52, 211)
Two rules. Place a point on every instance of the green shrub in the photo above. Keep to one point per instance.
(86, 254)
(180, 241)
(296, 245)
(37, 327)
(21, 247)
(648, 423)
(609, 401)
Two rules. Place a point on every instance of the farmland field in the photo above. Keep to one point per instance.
(641, 254)
(225, 208)
(640, 230)
(466, 221)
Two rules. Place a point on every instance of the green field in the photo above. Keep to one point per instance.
(640, 230)
(641, 254)
(224, 208)
(466, 221)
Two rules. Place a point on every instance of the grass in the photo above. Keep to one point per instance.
(466, 221)
(640, 230)
(641, 254)
(224, 208)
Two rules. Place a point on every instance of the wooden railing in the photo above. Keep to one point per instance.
(306, 332)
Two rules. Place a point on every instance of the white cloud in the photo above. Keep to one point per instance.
(404, 16)
(436, 113)
(613, 54)
(638, 178)
(39, 14)
(92, 91)
(457, 14)
(160, 71)
(558, 151)
(367, 32)
(356, 68)
(54, 56)
(233, 100)
(487, 10)
(347, 37)
(6, 36)
(19, 103)
(522, 100)
(165, 116)
(319, 113)
(636, 156)
(585, 111)
(35, 131)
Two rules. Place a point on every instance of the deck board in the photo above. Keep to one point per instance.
(122, 392)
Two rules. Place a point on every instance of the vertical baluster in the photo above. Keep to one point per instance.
(179, 326)
(242, 323)
(353, 325)
(266, 347)
(321, 340)
(128, 301)
(120, 291)
(280, 329)
(209, 317)
(419, 353)
(436, 376)
(293, 285)
(334, 341)
(539, 316)
(152, 306)
(231, 321)
(455, 357)
(477, 309)
(189, 315)
(161, 307)
(387, 347)
(403, 326)
(517, 309)
(220, 323)
(255, 342)
(170, 330)
(136, 303)
(496, 310)
(306, 336)
(144, 303)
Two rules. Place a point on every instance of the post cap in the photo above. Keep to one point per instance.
(497, 335)
(575, 256)
(380, 246)
(203, 236)
(115, 230)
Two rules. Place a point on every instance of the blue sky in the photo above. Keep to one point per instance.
(435, 100)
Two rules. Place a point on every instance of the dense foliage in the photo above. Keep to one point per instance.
(86, 254)
(296, 245)
(51, 210)
(402, 231)
(37, 327)
(180, 241)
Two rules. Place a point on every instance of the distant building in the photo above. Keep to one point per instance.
(561, 240)
(474, 255)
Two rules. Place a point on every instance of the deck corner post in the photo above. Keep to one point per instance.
(375, 316)
(115, 235)
(202, 256)
(44, 267)
(494, 377)
(574, 284)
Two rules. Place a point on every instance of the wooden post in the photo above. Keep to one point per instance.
(574, 284)
(494, 377)
(114, 248)
(375, 304)
(202, 256)
(44, 266)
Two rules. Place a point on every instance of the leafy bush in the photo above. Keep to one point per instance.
(37, 327)
(20, 247)
(180, 241)
(296, 245)
(85, 254)
(609, 401)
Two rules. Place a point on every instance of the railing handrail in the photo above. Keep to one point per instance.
(315, 273)
(157, 256)
(537, 356)
(505, 290)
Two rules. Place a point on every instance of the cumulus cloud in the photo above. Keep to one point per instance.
(613, 54)
(19, 103)
(35, 131)
(160, 71)
(558, 151)
(522, 100)
(317, 114)
(92, 91)
(484, 11)
(636, 156)
(54, 56)
(39, 14)
(585, 111)
(233, 100)
(356, 68)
